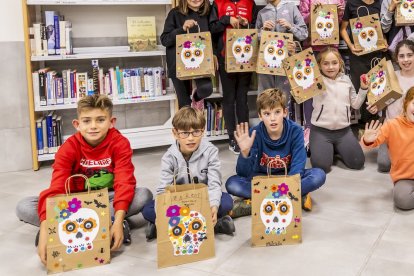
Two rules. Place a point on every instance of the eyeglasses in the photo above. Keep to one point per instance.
(195, 133)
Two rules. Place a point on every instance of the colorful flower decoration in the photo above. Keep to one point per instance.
(200, 45)
(184, 211)
(187, 44)
(63, 205)
(276, 194)
(88, 225)
(308, 62)
(64, 214)
(174, 221)
(325, 14)
(283, 208)
(283, 189)
(248, 39)
(173, 211)
(280, 43)
(74, 205)
(274, 188)
(378, 75)
(269, 208)
(357, 27)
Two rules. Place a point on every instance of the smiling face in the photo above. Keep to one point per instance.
(405, 59)
(195, 4)
(189, 144)
(330, 65)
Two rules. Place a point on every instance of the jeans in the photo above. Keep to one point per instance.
(311, 180)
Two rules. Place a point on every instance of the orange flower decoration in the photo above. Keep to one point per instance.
(88, 225)
(70, 227)
(274, 188)
(184, 211)
(283, 208)
(269, 208)
(177, 231)
(196, 226)
(63, 205)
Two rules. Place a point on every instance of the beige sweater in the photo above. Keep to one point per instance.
(395, 109)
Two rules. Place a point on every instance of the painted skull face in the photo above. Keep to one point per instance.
(378, 83)
(242, 50)
(368, 38)
(192, 56)
(303, 73)
(274, 53)
(407, 9)
(324, 26)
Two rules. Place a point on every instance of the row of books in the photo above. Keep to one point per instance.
(49, 135)
(214, 119)
(51, 37)
(67, 87)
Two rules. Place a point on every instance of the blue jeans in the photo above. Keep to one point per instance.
(311, 180)
(225, 207)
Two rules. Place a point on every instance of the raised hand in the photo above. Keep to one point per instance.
(371, 131)
(243, 138)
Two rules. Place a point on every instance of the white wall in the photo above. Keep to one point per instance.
(11, 20)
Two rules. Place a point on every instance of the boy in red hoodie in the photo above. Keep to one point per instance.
(100, 152)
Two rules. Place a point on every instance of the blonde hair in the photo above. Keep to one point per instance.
(322, 55)
(271, 98)
(95, 101)
(408, 98)
(189, 118)
(183, 7)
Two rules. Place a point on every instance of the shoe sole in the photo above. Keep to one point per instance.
(232, 150)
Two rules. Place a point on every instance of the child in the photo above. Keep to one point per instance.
(189, 15)
(404, 56)
(232, 14)
(275, 137)
(398, 133)
(331, 131)
(201, 161)
(96, 140)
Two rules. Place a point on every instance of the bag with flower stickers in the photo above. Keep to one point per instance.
(404, 13)
(78, 229)
(324, 24)
(276, 208)
(242, 49)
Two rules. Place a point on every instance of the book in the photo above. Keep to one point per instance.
(38, 39)
(59, 131)
(68, 38)
(49, 131)
(81, 85)
(142, 34)
(39, 136)
(44, 39)
(62, 36)
(54, 133)
(44, 135)
(50, 31)
(57, 34)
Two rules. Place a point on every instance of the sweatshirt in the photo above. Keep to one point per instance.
(289, 147)
(398, 133)
(332, 108)
(109, 163)
(203, 166)
(395, 109)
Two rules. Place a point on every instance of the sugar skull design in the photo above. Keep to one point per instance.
(303, 73)
(274, 53)
(367, 36)
(192, 54)
(324, 24)
(186, 229)
(243, 49)
(276, 210)
(407, 9)
(378, 83)
(78, 227)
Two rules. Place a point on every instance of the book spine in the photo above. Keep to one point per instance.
(66, 99)
(114, 85)
(37, 39)
(44, 135)
(81, 84)
(44, 39)
(62, 36)
(91, 91)
(164, 82)
(54, 134)
(32, 41)
(126, 78)
(101, 77)
(68, 38)
(133, 74)
(49, 131)
(36, 88)
(60, 99)
(208, 119)
(50, 31)
(59, 131)
(157, 81)
(42, 89)
(57, 34)
(39, 136)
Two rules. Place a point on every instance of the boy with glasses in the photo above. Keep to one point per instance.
(193, 157)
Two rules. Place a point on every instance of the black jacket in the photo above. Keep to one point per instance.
(174, 26)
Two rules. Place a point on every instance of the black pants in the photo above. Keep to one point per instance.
(183, 90)
(235, 88)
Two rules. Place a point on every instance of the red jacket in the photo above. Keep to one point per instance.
(112, 157)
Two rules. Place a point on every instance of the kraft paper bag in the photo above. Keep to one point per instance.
(242, 49)
(404, 13)
(324, 27)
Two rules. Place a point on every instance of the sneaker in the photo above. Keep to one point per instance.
(234, 147)
(151, 232)
(307, 202)
(127, 232)
(224, 225)
(37, 238)
(197, 105)
(241, 208)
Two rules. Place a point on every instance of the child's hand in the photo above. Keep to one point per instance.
(41, 247)
(188, 24)
(269, 25)
(371, 132)
(373, 109)
(291, 47)
(244, 140)
(284, 23)
(354, 50)
(234, 22)
(214, 210)
(340, 7)
(117, 230)
(243, 21)
(393, 5)
(364, 81)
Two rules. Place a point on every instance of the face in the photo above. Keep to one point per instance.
(409, 112)
(330, 66)
(195, 4)
(93, 124)
(273, 120)
(405, 59)
(188, 144)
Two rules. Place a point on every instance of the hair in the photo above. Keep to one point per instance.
(204, 8)
(189, 118)
(95, 101)
(271, 98)
(408, 98)
(407, 43)
(322, 55)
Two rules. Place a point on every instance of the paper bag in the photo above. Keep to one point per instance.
(324, 24)
(273, 49)
(404, 13)
(194, 56)
(304, 76)
(185, 230)
(367, 33)
(276, 208)
(384, 87)
(242, 49)
(78, 229)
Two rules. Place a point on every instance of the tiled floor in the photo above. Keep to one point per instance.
(353, 230)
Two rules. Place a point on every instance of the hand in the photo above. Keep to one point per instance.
(354, 50)
(284, 23)
(216, 64)
(243, 21)
(371, 131)
(214, 210)
(269, 25)
(340, 7)
(188, 24)
(373, 109)
(291, 47)
(244, 140)
(41, 247)
(117, 230)
(393, 5)
(364, 81)
(234, 22)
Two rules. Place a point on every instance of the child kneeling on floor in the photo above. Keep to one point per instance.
(274, 137)
(192, 156)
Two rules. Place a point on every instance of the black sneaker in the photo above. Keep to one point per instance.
(241, 208)
(37, 238)
(224, 225)
(151, 231)
(127, 232)
(234, 147)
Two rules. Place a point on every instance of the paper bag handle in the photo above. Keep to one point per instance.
(175, 179)
(198, 26)
(361, 7)
(374, 62)
(276, 160)
(67, 183)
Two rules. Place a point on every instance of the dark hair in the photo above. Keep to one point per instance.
(204, 8)
(271, 98)
(407, 43)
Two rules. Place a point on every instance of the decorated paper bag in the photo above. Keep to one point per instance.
(324, 25)
(367, 33)
(78, 229)
(185, 230)
(272, 51)
(304, 76)
(194, 56)
(276, 209)
(404, 13)
(241, 50)
(384, 87)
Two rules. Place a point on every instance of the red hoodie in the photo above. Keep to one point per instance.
(111, 156)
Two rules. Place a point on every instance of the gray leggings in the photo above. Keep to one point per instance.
(383, 159)
(26, 209)
(324, 143)
(404, 194)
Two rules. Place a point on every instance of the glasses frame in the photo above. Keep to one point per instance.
(186, 134)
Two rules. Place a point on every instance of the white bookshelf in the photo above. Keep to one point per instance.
(98, 2)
